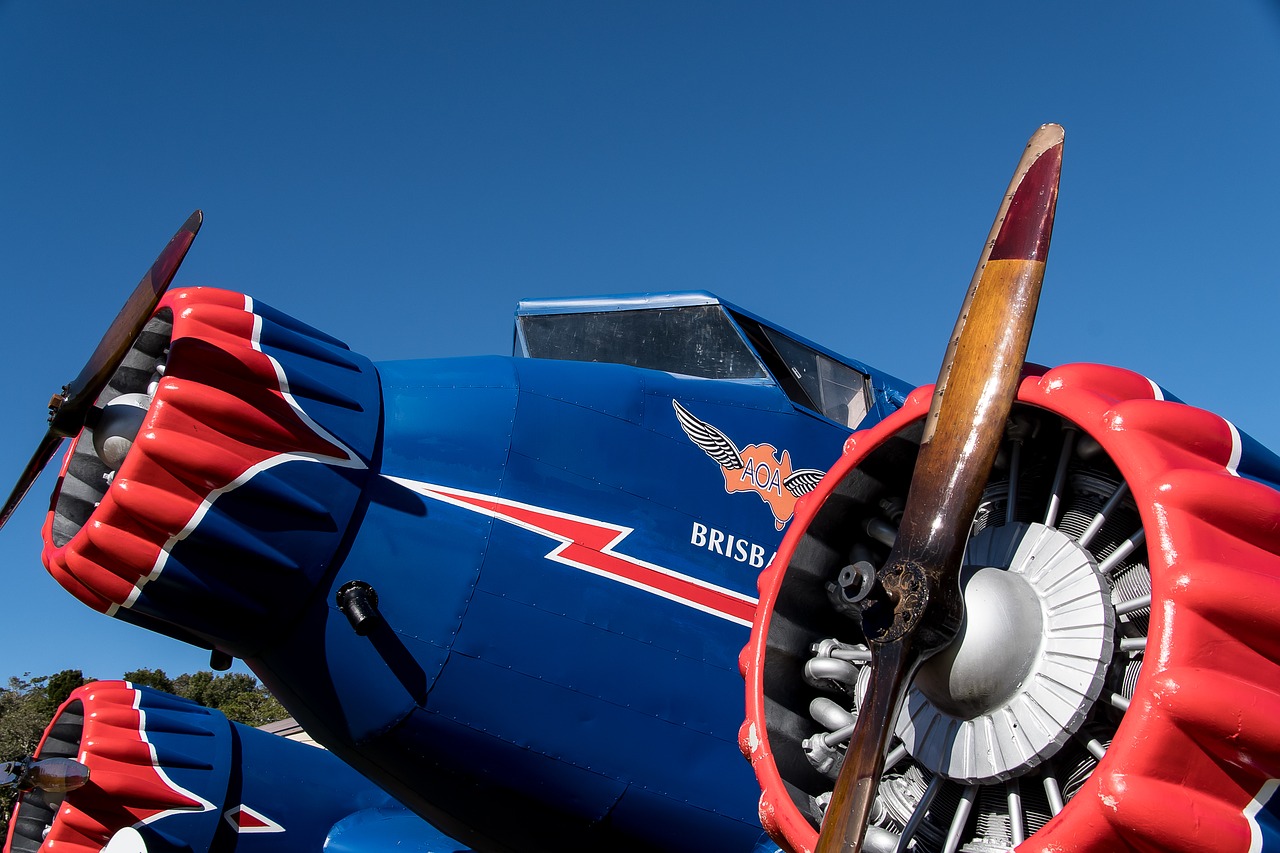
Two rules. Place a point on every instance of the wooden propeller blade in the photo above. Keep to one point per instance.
(919, 606)
(68, 410)
(39, 459)
(79, 396)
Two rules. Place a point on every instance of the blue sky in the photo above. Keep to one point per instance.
(400, 174)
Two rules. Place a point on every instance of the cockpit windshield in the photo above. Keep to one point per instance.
(811, 378)
(694, 335)
(696, 340)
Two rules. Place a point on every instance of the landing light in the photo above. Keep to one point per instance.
(51, 775)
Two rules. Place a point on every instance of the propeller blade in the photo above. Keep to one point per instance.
(48, 446)
(918, 606)
(78, 396)
(69, 409)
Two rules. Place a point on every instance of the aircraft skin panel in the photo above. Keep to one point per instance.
(567, 727)
(639, 807)
(654, 747)
(604, 668)
(611, 390)
(586, 457)
(429, 596)
(449, 420)
(389, 672)
(397, 829)
(587, 742)
(495, 811)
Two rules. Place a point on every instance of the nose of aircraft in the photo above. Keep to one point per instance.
(169, 776)
(115, 730)
(182, 472)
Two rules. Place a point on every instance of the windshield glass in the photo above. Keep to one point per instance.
(834, 389)
(695, 340)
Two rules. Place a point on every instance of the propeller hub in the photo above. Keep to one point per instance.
(1027, 666)
(998, 647)
(117, 427)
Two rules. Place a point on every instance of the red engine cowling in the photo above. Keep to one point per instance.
(1114, 524)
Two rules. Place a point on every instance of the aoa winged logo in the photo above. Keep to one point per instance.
(754, 468)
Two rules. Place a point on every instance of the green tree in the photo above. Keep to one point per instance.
(24, 713)
(60, 686)
(194, 686)
(235, 694)
(154, 678)
(254, 708)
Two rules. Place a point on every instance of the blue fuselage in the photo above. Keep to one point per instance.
(583, 629)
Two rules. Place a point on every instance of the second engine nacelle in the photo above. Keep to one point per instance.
(166, 774)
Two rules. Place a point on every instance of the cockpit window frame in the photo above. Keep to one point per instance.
(765, 342)
(669, 338)
(769, 342)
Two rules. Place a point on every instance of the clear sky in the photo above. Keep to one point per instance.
(400, 174)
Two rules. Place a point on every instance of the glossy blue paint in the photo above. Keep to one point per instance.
(621, 703)
(1269, 824)
(1258, 462)
(382, 829)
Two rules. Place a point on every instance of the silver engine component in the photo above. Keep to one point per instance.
(1003, 727)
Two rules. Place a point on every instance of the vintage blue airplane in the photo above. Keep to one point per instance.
(515, 591)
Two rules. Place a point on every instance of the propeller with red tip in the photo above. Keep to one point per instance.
(69, 409)
(916, 604)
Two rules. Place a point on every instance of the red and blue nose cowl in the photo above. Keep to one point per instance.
(215, 488)
(170, 775)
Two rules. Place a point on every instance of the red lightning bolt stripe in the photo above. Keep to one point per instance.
(588, 545)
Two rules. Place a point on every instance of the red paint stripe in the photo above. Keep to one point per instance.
(589, 545)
